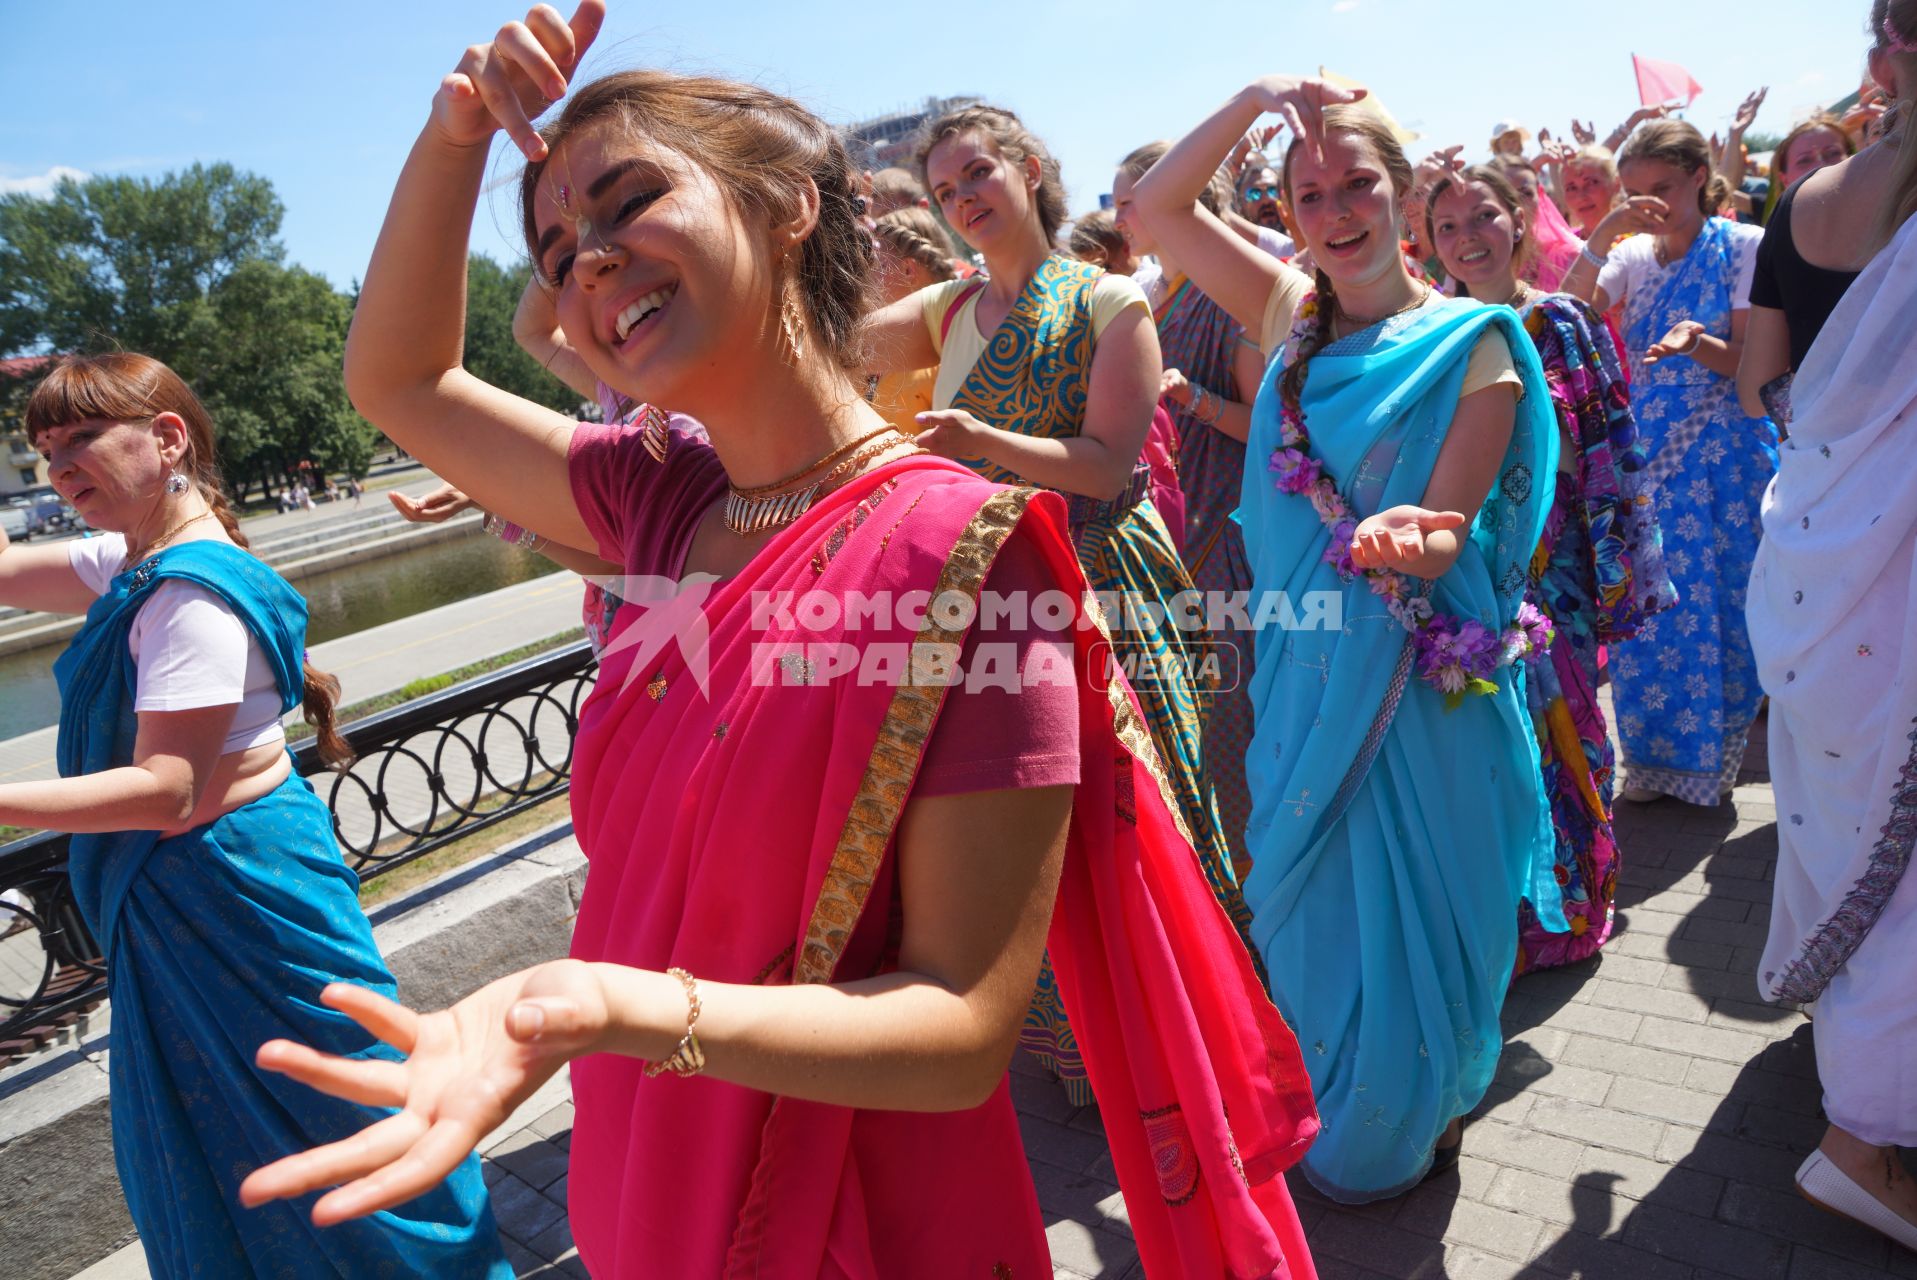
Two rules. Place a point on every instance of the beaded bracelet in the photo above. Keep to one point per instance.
(688, 1059)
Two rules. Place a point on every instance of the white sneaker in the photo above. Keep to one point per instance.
(1828, 1187)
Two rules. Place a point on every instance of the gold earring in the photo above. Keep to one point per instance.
(792, 321)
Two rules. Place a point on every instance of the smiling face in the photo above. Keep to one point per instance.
(655, 274)
(984, 197)
(113, 473)
(1474, 234)
(1590, 191)
(1677, 187)
(1810, 151)
(1345, 209)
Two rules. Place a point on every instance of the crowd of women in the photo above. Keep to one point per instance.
(1519, 420)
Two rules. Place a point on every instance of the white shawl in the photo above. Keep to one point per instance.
(1833, 621)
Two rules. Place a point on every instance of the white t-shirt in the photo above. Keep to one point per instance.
(1632, 265)
(1276, 243)
(189, 648)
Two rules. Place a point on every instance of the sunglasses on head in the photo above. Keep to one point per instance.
(1254, 194)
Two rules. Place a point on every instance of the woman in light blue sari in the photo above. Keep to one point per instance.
(1399, 470)
(203, 865)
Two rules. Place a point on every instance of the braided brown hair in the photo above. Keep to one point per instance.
(124, 386)
(913, 233)
(1679, 144)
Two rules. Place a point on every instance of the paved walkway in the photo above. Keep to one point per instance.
(1645, 1123)
(384, 658)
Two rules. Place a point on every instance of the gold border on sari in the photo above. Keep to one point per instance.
(1130, 728)
(887, 783)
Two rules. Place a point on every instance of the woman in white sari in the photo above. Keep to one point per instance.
(1833, 621)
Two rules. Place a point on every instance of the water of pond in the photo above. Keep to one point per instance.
(341, 603)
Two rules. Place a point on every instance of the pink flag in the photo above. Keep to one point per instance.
(1662, 82)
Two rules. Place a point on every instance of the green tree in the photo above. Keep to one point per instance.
(119, 262)
(263, 349)
(188, 269)
(492, 295)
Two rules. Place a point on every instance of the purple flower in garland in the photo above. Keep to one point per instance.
(1338, 551)
(1325, 499)
(1539, 632)
(1296, 470)
(1454, 656)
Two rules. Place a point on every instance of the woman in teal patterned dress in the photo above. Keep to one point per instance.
(1060, 395)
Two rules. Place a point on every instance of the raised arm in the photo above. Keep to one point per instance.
(403, 354)
(1229, 271)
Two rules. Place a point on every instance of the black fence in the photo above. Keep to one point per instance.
(429, 772)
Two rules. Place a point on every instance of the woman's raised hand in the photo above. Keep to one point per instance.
(1173, 385)
(1680, 340)
(466, 1069)
(507, 83)
(1302, 105)
(1395, 537)
(1632, 215)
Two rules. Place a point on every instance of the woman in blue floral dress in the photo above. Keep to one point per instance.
(1686, 686)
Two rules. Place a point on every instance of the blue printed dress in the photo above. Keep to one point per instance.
(1686, 685)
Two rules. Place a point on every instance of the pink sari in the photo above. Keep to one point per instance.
(748, 837)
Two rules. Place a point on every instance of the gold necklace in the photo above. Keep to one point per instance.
(165, 538)
(746, 515)
(1350, 319)
(761, 490)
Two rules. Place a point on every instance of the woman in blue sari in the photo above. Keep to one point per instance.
(1399, 472)
(204, 866)
(1686, 686)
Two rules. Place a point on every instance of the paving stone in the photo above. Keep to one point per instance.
(1039, 1097)
(1597, 1125)
(538, 1162)
(1668, 1233)
(1060, 1146)
(1379, 1246)
(1627, 1178)
(1697, 1041)
(1768, 1088)
(1558, 1080)
(1589, 1019)
(522, 1212)
(1523, 1148)
(1729, 1156)
(1786, 1214)
(1664, 1102)
(1642, 919)
(1680, 1006)
(1533, 1194)
(1589, 1257)
(1626, 1059)
(554, 1243)
(1090, 1251)
(554, 1122)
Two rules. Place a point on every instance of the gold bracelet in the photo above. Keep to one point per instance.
(688, 1059)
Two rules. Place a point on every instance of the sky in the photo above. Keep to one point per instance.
(325, 99)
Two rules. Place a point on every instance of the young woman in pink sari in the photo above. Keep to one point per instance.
(817, 900)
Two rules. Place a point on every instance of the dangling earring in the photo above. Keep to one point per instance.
(653, 433)
(792, 321)
(175, 483)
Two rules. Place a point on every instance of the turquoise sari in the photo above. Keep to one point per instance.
(217, 940)
(1392, 838)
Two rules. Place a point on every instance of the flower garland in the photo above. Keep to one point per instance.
(1455, 656)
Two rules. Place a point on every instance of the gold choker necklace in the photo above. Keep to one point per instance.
(750, 511)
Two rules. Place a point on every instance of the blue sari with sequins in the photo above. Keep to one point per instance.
(217, 940)
(1390, 846)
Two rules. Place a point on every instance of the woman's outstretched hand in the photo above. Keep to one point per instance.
(1395, 537)
(466, 1068)
(1302, 103)
(505, 84)
(436, 507)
